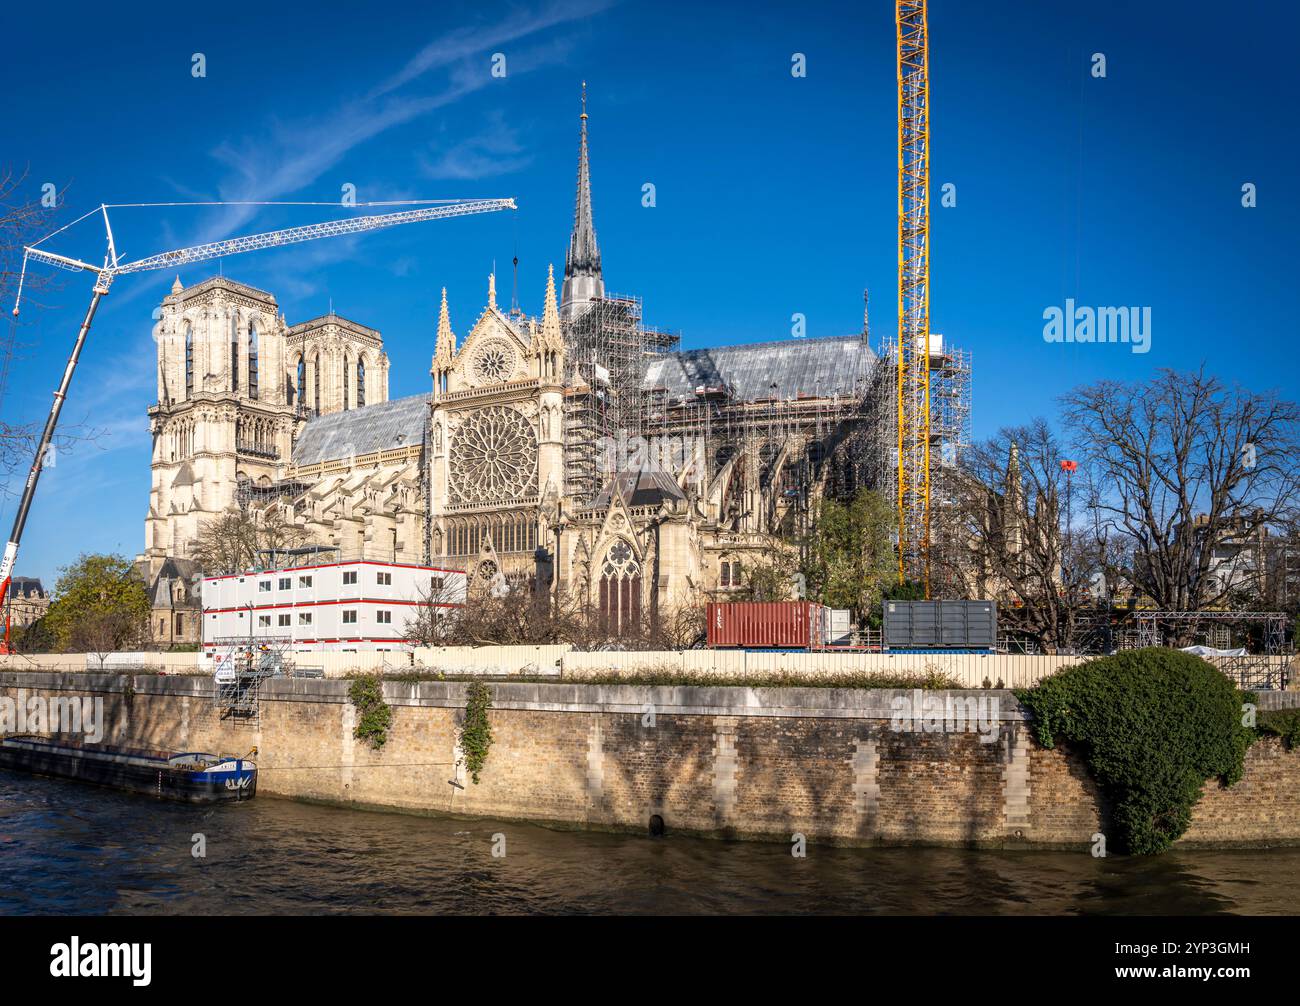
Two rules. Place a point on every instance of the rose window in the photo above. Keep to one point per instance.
(494, 361)
(493, 457)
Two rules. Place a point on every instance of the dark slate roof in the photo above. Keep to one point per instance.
(820, 367)
(26, 586)
(383, 427)
(639, 488)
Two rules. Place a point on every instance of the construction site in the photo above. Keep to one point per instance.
(582, 450)
(790, 423)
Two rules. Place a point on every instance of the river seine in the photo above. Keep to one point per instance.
(71, 849)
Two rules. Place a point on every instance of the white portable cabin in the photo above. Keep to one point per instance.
(331, 607)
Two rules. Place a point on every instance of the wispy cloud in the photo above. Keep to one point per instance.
(296, 154)
(290, 155)
(456, 45)
(496, 150)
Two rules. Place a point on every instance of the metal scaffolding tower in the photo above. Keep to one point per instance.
(606, 348)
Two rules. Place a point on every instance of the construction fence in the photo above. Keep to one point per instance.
(971, 670)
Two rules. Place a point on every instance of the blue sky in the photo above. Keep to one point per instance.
(775, 194)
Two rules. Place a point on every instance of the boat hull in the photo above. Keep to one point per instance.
(227, 779)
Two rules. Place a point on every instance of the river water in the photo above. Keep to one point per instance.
(66, 848)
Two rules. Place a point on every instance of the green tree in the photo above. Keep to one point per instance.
(850, 556)
(99, 606)
(908, 590)
(1153, 726)
(773, 576)
(34, 638)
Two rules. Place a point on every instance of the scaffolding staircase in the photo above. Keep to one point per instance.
(242, 665)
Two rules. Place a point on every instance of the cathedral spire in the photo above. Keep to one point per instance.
(583, 282)
(551, 314)
(445, 346)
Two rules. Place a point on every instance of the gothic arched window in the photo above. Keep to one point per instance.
(234, 353)
(345, 380)
(302, 380)
(315, 391)
(361, 383)
(620, 589)
(252, 359)
(189, 359)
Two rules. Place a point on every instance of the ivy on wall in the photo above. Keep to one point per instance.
(1153, 725)
(476, 731)
(374, 715)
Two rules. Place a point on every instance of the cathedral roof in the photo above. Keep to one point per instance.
(810, 367)
(386, 426)
(639, 488)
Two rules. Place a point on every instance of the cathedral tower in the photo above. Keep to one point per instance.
(224, 417)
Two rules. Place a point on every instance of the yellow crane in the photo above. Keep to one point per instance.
(913, 360)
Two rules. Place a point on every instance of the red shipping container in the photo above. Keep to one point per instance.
(764, 624)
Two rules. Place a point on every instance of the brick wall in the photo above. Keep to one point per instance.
(759, 763)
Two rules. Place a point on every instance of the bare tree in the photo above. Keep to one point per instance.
(230, 543)
(105, 632)
(526, 617)
(434, 622)
(1010, 512)
(22, 221)
(1185, 471)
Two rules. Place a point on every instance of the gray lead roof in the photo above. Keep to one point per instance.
(823, 367)
(820, 367)
(382, 427)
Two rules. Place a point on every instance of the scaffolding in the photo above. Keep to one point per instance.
(950, 371)
(800, 448)
(787, 450)
(248, 494)
(240, 665)
(606, 349)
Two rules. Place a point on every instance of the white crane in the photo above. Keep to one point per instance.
(114, 267)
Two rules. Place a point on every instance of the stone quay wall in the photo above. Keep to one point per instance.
(716, 761)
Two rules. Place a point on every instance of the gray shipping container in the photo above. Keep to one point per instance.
(942, 625)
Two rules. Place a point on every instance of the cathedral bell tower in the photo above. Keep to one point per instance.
(223, 423)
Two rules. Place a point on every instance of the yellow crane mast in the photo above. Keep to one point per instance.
(913, 362)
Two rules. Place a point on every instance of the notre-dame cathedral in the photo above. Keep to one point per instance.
(579, 451)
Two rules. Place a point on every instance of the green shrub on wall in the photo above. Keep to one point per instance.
(374, 715)
(1284, 723)
(1153, 726)
(476, 732)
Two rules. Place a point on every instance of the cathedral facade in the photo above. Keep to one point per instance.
(578, 451)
